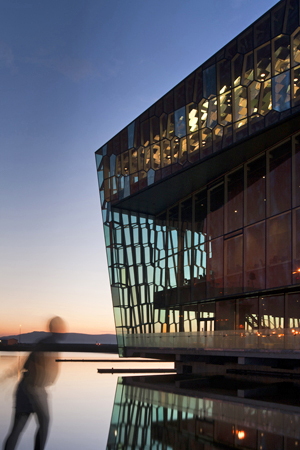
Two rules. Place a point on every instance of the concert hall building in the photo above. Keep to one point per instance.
(200, 199)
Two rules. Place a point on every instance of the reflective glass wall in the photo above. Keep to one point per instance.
(202, 264)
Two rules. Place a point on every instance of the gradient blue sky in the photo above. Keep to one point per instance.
(74, 73)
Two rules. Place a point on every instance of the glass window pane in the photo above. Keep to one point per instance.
(206, 142)
(281, 92)
(256, 190)
(296, 48)
(271, 311)
(247, 314)
(133, 161)
(199, 276)
(145, 133)
(296, 246)
(224, 75)
(279, 197)
(212, 114)
(254, 274)
(209, 82)
(130, 131)
(237, 67)
(171, 126)
(279, 251)
(217, 138)
(235, 200)
(125, 163)
(296, 86)
(225, 315)
(200, 217)
(175, 147)
(240, 103)
(225, 108)
(248, 69)
(233, 277)
(281, 54)
(263, 62)
(156, 156)
(214, 254)
(163, 125)
(203, 113)
(182, 151)
(266, 97)
(155, 129)
(193, 117)
(166, 152)
(293, 311)
(254, 91)
(216, 206)
(180, 125)
(296, 173)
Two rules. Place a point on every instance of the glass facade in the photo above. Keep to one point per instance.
(225, 256)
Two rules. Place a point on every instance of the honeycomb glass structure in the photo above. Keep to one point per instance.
(200, 194)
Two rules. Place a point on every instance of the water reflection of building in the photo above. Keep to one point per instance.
(155, 413)
(200, 198)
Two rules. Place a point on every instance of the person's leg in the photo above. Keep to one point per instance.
(19, 423)
(42, 412)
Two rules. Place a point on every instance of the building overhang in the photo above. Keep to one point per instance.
(157, 197)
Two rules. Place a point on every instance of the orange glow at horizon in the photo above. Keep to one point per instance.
(13, 326)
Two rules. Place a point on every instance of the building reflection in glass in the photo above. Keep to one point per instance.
(169, 413)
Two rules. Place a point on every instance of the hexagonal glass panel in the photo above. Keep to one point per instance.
(237, 68)
(183, 151)
(155, 129)
(125, 163)
(240, 103)
(193, 118)
(171, 126)
(212, 114)
(296, 48)
(155, 156)
(180, 124)
(281, 91)
(248, 69)
(130, 131)
(166, 152)
(133, 161)
(225, 108)
(209, 82)
(281, 54)
(203, 107)
(263, 62)
(296, 86)
(175, 149)
(163, 125)
(254, 91)
(266, 97)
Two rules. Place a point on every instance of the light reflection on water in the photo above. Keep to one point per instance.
(81, 401)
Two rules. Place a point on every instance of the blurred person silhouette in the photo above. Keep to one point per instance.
(40, 370)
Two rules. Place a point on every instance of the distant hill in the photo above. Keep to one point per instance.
(70, 338)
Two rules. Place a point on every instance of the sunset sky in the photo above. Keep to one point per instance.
(74, 73)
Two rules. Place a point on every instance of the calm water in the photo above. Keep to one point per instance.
(81, 402)
(103, 411)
